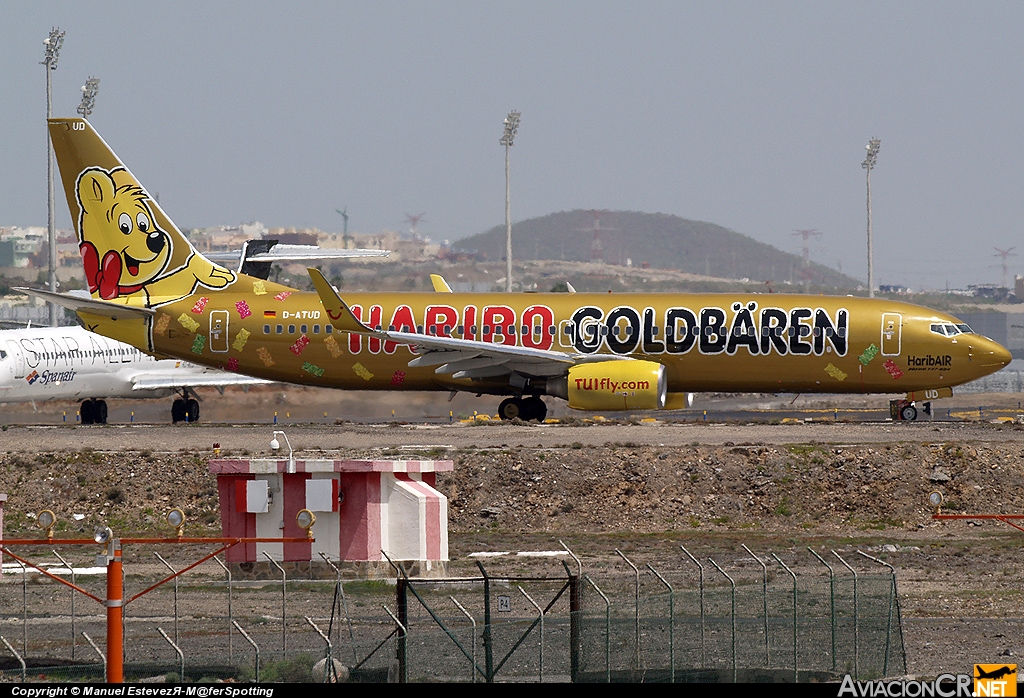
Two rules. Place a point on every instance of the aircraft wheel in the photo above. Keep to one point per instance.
(191, 410)
(535, 409)
(178, 411)
(85, 411)
(511, 408)
(908, 413)
(100, 413)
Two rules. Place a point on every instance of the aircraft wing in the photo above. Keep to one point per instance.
(459, 358)
(186, 378)
(114, 311)
(294, 253)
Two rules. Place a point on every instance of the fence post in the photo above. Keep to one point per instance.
(488, 649)
(575, 630)
(103, 657)
(856, 620)
(764, 597)
(636, 604)
(796, 675)
(402, 606)
(181, 655)
(344, 605)
(607, 631)
(703, 661)
(540, 613)
(16, 656)
(24, 608)
(231, 616)
(893, 597)
(254, 646)
(733, 614)
(168, 566)
(284, 590)
(671, 626)
(403, 635)
(71, 569)
(329, 671)
(832, 601)
(473, 621)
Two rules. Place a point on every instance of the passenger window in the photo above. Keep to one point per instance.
(291, 329)
(266, 329)
(328, 329)
(280, 329)
(316, 329)
(304, 329)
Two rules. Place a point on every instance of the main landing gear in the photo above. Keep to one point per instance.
(525, 409)
(185, 409)
(93, 411)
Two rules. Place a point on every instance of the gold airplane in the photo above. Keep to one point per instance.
(152, 289)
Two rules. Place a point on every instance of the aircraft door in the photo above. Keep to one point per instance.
(892, 330)
(219, 331)
(18, 357)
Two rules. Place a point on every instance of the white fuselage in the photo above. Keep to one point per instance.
(71, 363)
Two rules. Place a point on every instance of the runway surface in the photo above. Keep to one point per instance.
(309, 439)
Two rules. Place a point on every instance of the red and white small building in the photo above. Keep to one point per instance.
(362, 507)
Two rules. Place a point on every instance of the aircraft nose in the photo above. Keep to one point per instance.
(992, 355)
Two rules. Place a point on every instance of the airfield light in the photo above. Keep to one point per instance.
(89, 91)
(305, 520)
(935, 499)
(176, 518)
(873, 147)
(511, 126)
(103, 535)
(46, 520)
(53, 45)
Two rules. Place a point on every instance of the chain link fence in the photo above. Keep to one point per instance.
(736, 617)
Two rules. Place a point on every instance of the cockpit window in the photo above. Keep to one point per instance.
(965, 328)
(3, 354)
(950, 329)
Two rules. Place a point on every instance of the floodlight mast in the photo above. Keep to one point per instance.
(511, 126)
(873, 147)
(89, 92)
(53, 44)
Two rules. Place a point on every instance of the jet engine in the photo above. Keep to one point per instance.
(612, 385)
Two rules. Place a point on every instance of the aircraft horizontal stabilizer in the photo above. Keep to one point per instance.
(114, 311)
(191, 380)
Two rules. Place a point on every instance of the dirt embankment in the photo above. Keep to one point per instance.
(806, 488)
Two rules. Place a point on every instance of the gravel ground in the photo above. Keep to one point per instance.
(638, 487)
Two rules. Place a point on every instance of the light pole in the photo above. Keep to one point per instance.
(869, 163)
(89, 92)
(53, 43)
(511, 126)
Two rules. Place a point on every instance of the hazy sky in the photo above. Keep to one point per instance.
(751, 115)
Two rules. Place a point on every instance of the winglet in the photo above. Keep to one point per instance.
(340, 314)
(440, 285)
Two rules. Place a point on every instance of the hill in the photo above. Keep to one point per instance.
(659, 240)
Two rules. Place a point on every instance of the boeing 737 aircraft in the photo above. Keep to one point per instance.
(153, 290)
(69, 363)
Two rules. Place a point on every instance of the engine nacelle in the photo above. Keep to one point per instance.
(613, 385)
